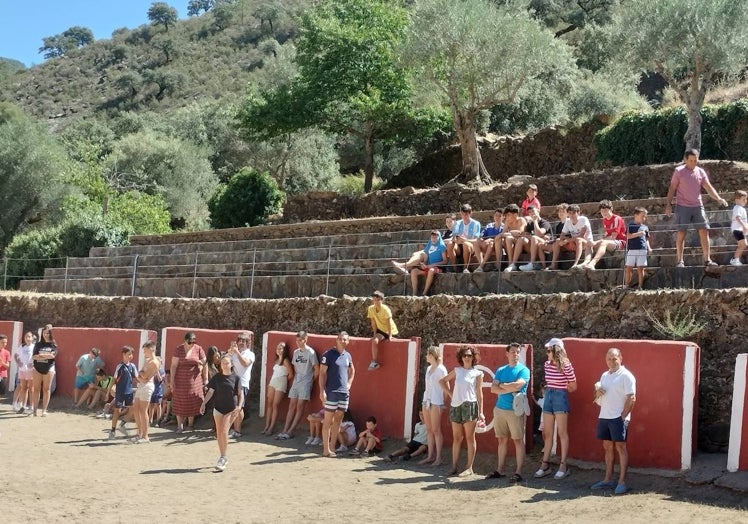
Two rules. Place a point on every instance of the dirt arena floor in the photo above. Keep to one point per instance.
(60, 468)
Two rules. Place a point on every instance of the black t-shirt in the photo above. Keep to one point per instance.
(226, 390)
(49, 350)
(543, 224)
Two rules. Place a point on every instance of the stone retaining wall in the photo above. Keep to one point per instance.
(442, 318)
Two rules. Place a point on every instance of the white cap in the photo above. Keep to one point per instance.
(555, 342)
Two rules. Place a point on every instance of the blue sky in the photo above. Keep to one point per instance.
(24, 24)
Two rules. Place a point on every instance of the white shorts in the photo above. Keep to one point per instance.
(279, 383)
(145, 391)
(636, 258)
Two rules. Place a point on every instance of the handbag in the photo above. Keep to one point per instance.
(520, 404)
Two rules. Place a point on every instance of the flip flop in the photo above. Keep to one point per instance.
(495, 475)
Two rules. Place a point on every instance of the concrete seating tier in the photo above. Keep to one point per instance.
(355, 264)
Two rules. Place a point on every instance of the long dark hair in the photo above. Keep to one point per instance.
(284, 356)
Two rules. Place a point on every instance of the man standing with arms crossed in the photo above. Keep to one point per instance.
(616, 394)
(685, 186)
(336, 374)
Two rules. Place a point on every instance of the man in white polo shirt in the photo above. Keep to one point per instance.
(242, 357)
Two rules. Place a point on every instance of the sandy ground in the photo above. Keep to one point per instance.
(61, 468)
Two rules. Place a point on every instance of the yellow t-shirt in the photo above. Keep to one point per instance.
(383, 319)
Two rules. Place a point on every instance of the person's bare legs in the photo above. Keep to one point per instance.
(429, 280)
(562, 420)
(471, 445)
(36, 391)
(600, 248)
(375, 346)
(680, 241)
(468, 248)
(47, 390)
(640, 274)
(457, 436)
(414, 274)
(430, 442)
(497, 247)
(295, 412)
(706, 245)
(623, 462)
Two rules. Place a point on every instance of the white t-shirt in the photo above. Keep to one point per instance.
(243, 373)
(617, 386)
(434, 394)
(465, 386)
(420, 433)
(575, 229)
(738, 211)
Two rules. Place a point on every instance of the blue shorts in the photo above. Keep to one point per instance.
(337, 401)
(156, 398)
(122, 401)
(82, 382)
(612, 429)
(739, 235)
(556, 401)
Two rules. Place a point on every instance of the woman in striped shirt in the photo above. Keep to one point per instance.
(560, 380)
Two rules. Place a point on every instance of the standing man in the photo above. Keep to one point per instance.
(336, 374)
(242, 358)
(306, 371)
(685, 185)
(382, 326)
(616, 394)
(508, 380)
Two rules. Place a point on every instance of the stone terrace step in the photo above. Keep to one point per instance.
(361, 285)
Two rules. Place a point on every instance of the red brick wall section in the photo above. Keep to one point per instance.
(173, 337)
(492, 357)
(74, 342)
(14, 331)
(737, 454)
(387, 393)
(663, 424)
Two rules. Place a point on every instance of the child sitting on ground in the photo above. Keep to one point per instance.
(315, 428)
(369, 440)
(347, 433)
(417, 446)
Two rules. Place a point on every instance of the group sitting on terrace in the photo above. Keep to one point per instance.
(518, 231)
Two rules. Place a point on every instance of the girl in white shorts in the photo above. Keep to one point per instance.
(278, 385)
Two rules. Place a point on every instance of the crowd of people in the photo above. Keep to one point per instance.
(520, 230)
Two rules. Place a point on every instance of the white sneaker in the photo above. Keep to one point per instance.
(221, 464)
(478, 270)
(316, 441)
(309, 441)
(735, 262)
(110, 435)
(527, 267)
(373, 365)
(342, 448)
(510, 268)
(466, 270)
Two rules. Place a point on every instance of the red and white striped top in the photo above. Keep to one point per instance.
(558, 379)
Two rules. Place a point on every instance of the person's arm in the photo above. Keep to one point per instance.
(713, 192)
(239, 396)
(322, 382)
(670, 194)
(740, 221)
(208, 396)
(315, 373)
(628, 406)
(351, 375)
(539, 230)
(479, 395)
(289, 368)
(174, 365)
(444, 383)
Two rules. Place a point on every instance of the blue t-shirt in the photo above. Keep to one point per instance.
(471, 230)
(511, 374)
(491, 230)
(337, 370)
(434, 252)
(637, 243)
(123, 376)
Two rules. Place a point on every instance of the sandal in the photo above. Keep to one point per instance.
(543, 471)
(562, 474)
(516, 478)
(495, 475)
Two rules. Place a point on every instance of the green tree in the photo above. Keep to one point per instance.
(248, 199)
(693, 44)
(195, 6)
(162, 13)
(70, 39)
(153, 163)
(565, 16)
(348, 80)
(33, 173)
(476, 55)
(9, 67)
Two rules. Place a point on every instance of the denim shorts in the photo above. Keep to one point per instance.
(556, 401)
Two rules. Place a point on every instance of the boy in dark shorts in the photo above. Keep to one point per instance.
(124, 376)
(418, 444)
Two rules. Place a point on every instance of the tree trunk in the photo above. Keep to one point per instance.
(694, 100)
(368, 156)
(692, 137)
(473, 169)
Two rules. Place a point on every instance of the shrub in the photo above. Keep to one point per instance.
(656, 137)
(248, 199)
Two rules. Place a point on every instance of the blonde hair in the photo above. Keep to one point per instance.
(434, 352)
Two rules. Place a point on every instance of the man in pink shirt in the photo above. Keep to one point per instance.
(686, 184)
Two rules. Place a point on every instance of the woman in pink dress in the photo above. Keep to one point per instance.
(189, 374)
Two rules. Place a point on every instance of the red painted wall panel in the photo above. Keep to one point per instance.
(382, 393)
(74, 342)
(657, 422)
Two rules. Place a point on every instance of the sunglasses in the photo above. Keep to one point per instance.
(192, 341)
(468, 355)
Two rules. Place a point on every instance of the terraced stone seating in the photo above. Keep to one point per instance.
(355, 264)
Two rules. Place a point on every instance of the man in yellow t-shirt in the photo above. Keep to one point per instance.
(381, 324)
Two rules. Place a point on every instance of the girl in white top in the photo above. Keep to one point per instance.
(25, 365)
(278, 385)
(466, 405)
(433, 406)
(145, 391)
